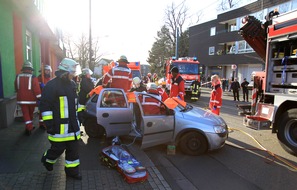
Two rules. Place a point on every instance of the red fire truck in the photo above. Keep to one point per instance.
(278, 104)
(188, 68)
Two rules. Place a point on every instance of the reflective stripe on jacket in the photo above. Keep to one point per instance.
(120, 77)
(27, 88)
(216, 97)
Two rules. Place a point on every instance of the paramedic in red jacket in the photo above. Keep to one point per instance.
(120, 76)
(150, 105)
(162, 93)
(215, 101)
(28, 92)
(177, 85)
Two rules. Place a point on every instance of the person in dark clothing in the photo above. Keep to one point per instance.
(58, 106)
(235, 86)
(86, 85)
(268, 18)
(195, 86)
(245, 90)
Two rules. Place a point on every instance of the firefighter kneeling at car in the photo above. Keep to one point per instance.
(151, 104)
(195, 86)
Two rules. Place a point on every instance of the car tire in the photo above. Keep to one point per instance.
(287, 132)
(193, 143)
(92, 129)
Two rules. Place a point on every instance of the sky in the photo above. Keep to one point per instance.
(126, 27)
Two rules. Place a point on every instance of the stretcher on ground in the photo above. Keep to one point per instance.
(115, 156)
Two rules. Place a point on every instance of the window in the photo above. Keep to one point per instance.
(244, 47)
(211, 50)
(114, 99)
(294, 4)
(29, 46)
(283, 8)
(212, 31)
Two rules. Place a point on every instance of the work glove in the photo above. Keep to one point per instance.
(42, 85)
(49, 127)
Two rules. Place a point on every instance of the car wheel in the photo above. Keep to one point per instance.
(92, 128)
(287, 132)
(193, 143)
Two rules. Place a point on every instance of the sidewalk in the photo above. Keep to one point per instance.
(20, 166)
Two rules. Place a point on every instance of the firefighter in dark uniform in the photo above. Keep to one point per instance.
(177, 85)
(58, 107)
(195, 86)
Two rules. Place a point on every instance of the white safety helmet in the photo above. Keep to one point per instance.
(152, 86)
(136, 81)
(71, 66)
(86, 71)
(48, 67)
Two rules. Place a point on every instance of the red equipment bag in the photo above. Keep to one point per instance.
(116, 156)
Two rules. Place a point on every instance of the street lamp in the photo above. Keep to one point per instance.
(90, 33)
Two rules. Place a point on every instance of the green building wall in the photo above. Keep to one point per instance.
(7, 50)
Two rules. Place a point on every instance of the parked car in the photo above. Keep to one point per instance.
(194, 130)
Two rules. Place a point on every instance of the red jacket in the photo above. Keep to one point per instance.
(150, 105)
(163, 94)
(120, 76)
(45, 79)
(216, 97)
(27, 88)
(177, 87)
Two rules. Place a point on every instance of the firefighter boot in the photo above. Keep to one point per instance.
(76, 176)
(48, 166)
(29, 128)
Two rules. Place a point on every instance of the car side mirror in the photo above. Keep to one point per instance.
(170, 112)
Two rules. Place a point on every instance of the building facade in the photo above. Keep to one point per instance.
(221, 49)
(24, 35)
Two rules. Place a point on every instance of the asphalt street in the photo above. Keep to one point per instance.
(240, 164)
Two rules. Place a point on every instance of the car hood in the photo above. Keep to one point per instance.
(198, 114)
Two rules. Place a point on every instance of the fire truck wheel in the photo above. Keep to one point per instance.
(287, 132)
(92, 129)
(193, 143)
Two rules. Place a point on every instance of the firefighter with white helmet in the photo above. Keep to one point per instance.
(28, 93)
(137, 85)
(58, 107)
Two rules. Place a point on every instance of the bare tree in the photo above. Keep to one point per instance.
(78, 49)
(175, 19)
(227, 4)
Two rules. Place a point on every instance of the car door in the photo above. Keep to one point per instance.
(158, 128)
(113, 112)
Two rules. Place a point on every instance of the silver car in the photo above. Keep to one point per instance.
(194, 130)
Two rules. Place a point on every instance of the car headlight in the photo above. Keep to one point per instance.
(220, 128)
